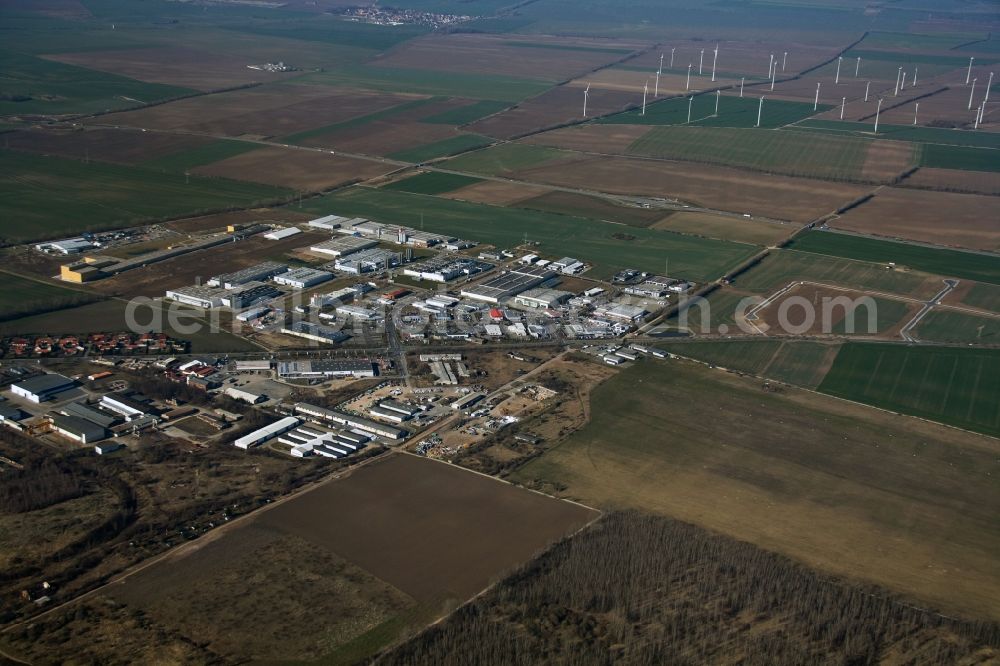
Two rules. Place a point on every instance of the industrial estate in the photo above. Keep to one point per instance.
(484, 332)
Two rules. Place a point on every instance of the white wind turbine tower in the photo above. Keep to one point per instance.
(742, 79)
(645, 91)
(718, 93)
(898, 74)
(972, 91)
(982, 111)
(770, 63)
(843, 103)
(672, 57)
(989, 85)
(857, 68)
(656, 90)
(701, 61)
(586, 94)
(715, 59)
(760, 109)
(916, 110)
(867, 87)
(979, 112)
(690, 102)
(877, 110)
(836, 79)
(816, 101)
(774, 72)
(915, 70)
(784, 59)
(687, 85)
(969, 73)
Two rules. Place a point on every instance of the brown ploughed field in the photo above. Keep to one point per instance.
(553, 107)
(496, 193)
(302, 170)
(102, 145)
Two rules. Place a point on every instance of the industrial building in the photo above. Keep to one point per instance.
(567, 265)
(127, 406)
(258, 437)
(509, 284)
(245, 396)
(278, 234)
(309, 440)
(344, 295)
(467, 401)
(315, 332)
(92, 414)
(358, 312)
(78, 429)
(621, 312)
(252, 313)
(257, 273)
(368, 261)
(250, 294)
(67, 246)
(327, 222)
(303, 278)
(40, 388)
(201, 296)
(387, 414)
(542, 298)
(326, 368)
(444, 268)
(351, 421)
(342, 245)
(263, 365)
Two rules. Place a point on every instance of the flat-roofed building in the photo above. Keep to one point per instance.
(350, 420)
(78, 429)
(327, 367)
(315, 332)
(342, 245)
(511, 283)
(201, 296)
(445, 268)
(278, 234)
(328, 222)
(250, 294)
(260, 436)
(93, 414)
(42, 387)
(542, 298)
(256, 273)
(303, 278)
(371, 260)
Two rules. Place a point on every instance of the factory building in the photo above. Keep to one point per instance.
(509, 284)
(122, 404)
(621, 312)
(92, 414)
(252, 314)
(278, 234)
(250, 294)
(201, 296)
(303, 278)
(342, 245)
(327, 222)
(258, 273)
(315, 332)
(67, 246)
(258, 437)
(245, 396)
(467, 401)
(542, 298)
(253, 366)
(444, 269)
(368, 261)
(351, 421)
(78, 429)
(326, 368)
(42, 387)
(358, 312)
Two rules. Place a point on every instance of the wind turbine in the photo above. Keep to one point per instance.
(660, 70)
(972, 91)
(898, 74)
(784, 59)
(718, 93)
(770, 63)
(586, 94)
(867, 86)
(902, 86)
(645, 91)
(672, 57)
(656, 91)
(915, 70)
(816, 101)
(877, 110)
(857, 68)
(836, 79)
(774, 72)
(843, 103)
(760, 109)
(701, 61)
(969, 73)
(687, 85)
(741, 86)
(690, 101)
(916, 110)
(979, 112)
(988, 86)
(715, 58)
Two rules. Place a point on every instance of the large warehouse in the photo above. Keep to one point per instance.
(509, 284)
(445, 268)
(42, 387)
(267, 432)
(332, 367)
(303, 278)
(256, 273)
(338, 247)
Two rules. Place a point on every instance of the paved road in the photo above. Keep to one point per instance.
(928, 306)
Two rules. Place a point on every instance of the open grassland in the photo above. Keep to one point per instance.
(733, 112)
(860, 493)
(429, 82)
(840, 158)
(21, 296)
(443, 148)
(941, 218)
(44, 197)
(940, 325)
(726, 227)
(33, 86)
(959, 157)
(981, 267)
(609, 247)
(958, 386)
(506, 159)
(431, 182)
(782, 267)
(918, 134)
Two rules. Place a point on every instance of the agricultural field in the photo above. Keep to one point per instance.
(467, 114)
(919, 134)
(359, 579)
(104, 145)
(959, 157)
(941, 325)
(798, 362)
(582, 205)
(954, 180)
(984, 296)
(981, 267)
(506, 159)
(733, 112)
(809, 309)
(942, 218)
(958, 386)
(186, 159)
(45, 197)
(431, 182)
(22, 296)
(300, 170)
(781, 267)
(497, 193)
(607, 246)
(826, 482)
(443, 148)
(726, 227)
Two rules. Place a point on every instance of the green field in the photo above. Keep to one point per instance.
(954, 137)
(907, 59)
(429, 82)
(733, 112)
(823, 481)
(431, 182)
(186, 160)
(917, 42)
(705, 315)
(950, 263)
(777, 152)
(959, 157)
(43, 197)
(30, 85)
(951, 326)
(443, 148)
(559, 235)
(506, 158)
(331, 30)
(784, 266)
(359, 121)
(958, 386)
(985, 296)
(22, 296)
(467, 114)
